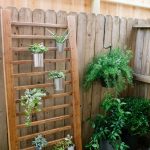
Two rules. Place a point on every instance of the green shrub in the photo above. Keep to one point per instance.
(138, 122)
(109, 126)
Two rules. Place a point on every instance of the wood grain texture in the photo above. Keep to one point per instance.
(115, 32)
(61, 19)
(25, 15)
(50, 17)
(10, 105)
(108, 31)
(75, 83)
(99, 45)
(87, 97)
(3, 125)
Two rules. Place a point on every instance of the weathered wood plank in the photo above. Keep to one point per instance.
(75, 83)
(99, 44)
(87, 101)
(50, 17)
(115, 32)
(61, 19)
(9, 95)
(38, 17)
(25, 15)
(3, 124)
(123, 32)
(108, 31)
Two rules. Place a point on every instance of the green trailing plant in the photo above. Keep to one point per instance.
(108, 127)
(37, 48)
(112, 69)
(68, 141)
(138, 122)
(31, 101)
(64, 144)
(59, 38)
(39, 142)
(56, 74)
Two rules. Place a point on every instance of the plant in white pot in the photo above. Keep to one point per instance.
(69, 142)
(31, 102)
(39, 142)
(60, 39)
(58, 77)
(37, 51)
(65, 144)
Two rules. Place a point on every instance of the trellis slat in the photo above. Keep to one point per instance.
(37, 86)
(45, 61)
(48, 132)
(44, 121)
(47, 109)
(50, 25)
(22, 49)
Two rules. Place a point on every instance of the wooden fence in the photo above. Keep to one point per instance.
(93, 34)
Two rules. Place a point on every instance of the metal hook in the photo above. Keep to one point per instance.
(110, 47)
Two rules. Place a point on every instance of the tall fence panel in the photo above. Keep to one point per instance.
(93, 34)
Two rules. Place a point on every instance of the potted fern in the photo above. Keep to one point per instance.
(111, 69)
(31, 102)
(37, 51)
(58, 77)
(39, 142)
(60, 39)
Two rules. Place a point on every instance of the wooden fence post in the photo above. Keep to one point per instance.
(3, 124)
(75, 82)
(7, 55)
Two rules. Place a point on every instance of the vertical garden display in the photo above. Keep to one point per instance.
(27, 101)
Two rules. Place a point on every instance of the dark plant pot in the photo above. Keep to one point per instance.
(135, 142)
(103, 83)
(106, 146)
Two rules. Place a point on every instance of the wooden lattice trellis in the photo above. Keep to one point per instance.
(14, 90)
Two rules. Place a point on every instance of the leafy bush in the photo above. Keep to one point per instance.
(38, 48)
(109, 126)
(56, 74)
(112, 69)
(138, 122)
(31, 102)
(39, 142)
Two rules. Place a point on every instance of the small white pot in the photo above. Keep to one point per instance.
(38, 60)
(71, 147)
(58, 83)
(60, 47)
(37, 148)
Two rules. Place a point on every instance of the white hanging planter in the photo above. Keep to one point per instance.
(38, 60)
(58, 83)
(71, 147)
(60, 47)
